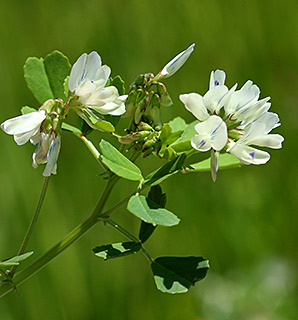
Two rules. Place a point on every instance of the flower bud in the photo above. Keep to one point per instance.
(165, 99)
(176, 63)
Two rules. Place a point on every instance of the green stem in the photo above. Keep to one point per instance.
(130, 236)
(91, 148)
(72, 237)
(33, 221)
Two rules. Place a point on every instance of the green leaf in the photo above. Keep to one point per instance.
(183, 144)
(15, 260)
(166, 171)
(25, 110)
(150, 212)
(65, 86)
(155, 194)
(70, 128)
(118, 163)
(45, 77)
(119, 84)
(178, 274)
(226, 161)
(57, 67)
(104, 126)
(178, 124)
(37, 79)
(117, 250)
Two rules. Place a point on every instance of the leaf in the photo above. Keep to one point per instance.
(25, 110)
(118, 163)
(104, 126)
(119, 84)
(15, 260)
(178, 274)
(150, 212)
(37, 79)
(57, 67)
(178, 124)
(183, 144)
(45, 77)
(165, 171)
(155, 194)
(70, 128)
(117, 250)
(226, 161)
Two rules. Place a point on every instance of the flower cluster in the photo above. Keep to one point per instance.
(233, 120)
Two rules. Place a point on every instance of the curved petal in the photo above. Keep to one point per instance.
(213, 97)
(52, 157)
(249, 155)
(107, 94)
(92, 65)
(201, 142)
(77, 72)
(24, 123)
(195, 104)
(101, 76)
(22, 138)
(273, 141)
(115, 108)
(270, 119)
(217, 78)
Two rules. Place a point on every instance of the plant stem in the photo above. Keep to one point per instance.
(33, 221)
(129, 236)
(72, 237)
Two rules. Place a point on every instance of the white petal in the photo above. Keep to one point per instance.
(273, 141)
(249, 155)
(252, 111)
(217, 78)
(115, 108)
(215, 130)
(270, 119)
(24, 123)
(176, 63)
(77, 72)
(108, 94)
(22, 138)
(214, 164)
(213, 97)
(52, 157)
(101, 76)
(201, 142)
(195, 104)
(85, 87)
(255, 131)
(92, 65)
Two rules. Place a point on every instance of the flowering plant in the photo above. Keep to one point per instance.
(228, 122)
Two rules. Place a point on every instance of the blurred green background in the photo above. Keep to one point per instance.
(245, 223)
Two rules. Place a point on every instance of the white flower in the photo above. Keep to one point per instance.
(176, 63)
(87, 82)
(36, 127)
(24, 127)
(234, 119)
(47, 152)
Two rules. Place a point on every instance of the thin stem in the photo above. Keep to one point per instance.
(130, 236)
(33, 221)
(91, 148)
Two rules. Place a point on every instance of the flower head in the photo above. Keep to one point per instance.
(233, 119)
(87, 83)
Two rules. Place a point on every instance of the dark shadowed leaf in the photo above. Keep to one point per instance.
(117, 250)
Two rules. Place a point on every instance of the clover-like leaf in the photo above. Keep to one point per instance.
(118, 163)
(45, 77)
(117, 250)
(150, 212)
(178, 274)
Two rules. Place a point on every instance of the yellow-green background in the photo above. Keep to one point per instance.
(245, 223)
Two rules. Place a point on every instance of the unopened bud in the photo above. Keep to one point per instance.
(126, 139)
(140, 135)
(144, 126)
(165, 99)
